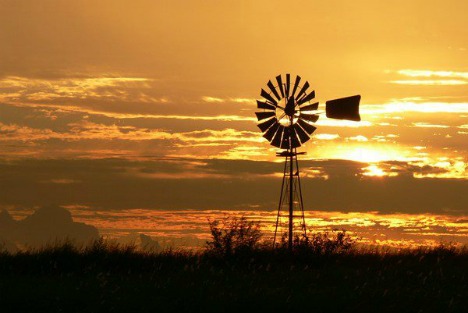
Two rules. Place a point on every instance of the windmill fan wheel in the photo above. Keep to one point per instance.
(287, 112)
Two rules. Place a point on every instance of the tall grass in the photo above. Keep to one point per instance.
(238, 272)
(107, 277)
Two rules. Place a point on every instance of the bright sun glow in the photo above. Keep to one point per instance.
(374, 170)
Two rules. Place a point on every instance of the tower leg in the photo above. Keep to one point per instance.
(291, 201)
(280, 202)
(301, 202)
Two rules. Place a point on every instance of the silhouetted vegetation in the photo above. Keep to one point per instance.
(237, 273)
(321, 243)
(233, 236)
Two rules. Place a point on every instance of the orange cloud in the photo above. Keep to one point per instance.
(427, 125)
(400, 106)
(80, 88)
(444, 78)
(431, 82)
(430, 73)
(327, 136)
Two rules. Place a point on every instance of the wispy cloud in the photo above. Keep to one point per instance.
(24, 133)
(342, 123)
(86, 130)
(27, 89)
(61, 181)
(327, 136)
(424, 168)
(360, 138)
(212, 99)
(117, 115)
(429, 73)
(399, 105)
(430, 77)
(442, 168)
(427, 125)
(226, 135)
(243, 100)
(431, 82)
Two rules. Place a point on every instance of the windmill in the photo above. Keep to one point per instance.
(286, 122)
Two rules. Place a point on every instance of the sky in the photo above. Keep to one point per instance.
(123, 106)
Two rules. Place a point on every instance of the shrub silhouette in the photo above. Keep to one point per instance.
(233, 235)
(321, 243)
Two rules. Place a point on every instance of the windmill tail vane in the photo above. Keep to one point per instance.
(286, 120)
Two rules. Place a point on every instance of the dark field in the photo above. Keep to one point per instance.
(115, 279)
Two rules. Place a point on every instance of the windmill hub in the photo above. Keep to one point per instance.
(286, 122)
(285, 119)
(290, 108)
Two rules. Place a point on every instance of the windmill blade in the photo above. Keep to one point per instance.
(301, 133)
(310, 107)
(278, 137)
(285, 141)
(309, 117)
(264, 105)
(280, 85)
(267, 96)
(303, 90)
(286, 87)
(309, 97)
(344, 108)
(294, 141)
(273, 89)
(267, 124)
(307, 127)
(264, 115)
(271, 132)
(296, 84)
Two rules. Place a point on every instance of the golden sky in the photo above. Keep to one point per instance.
(150, 104)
